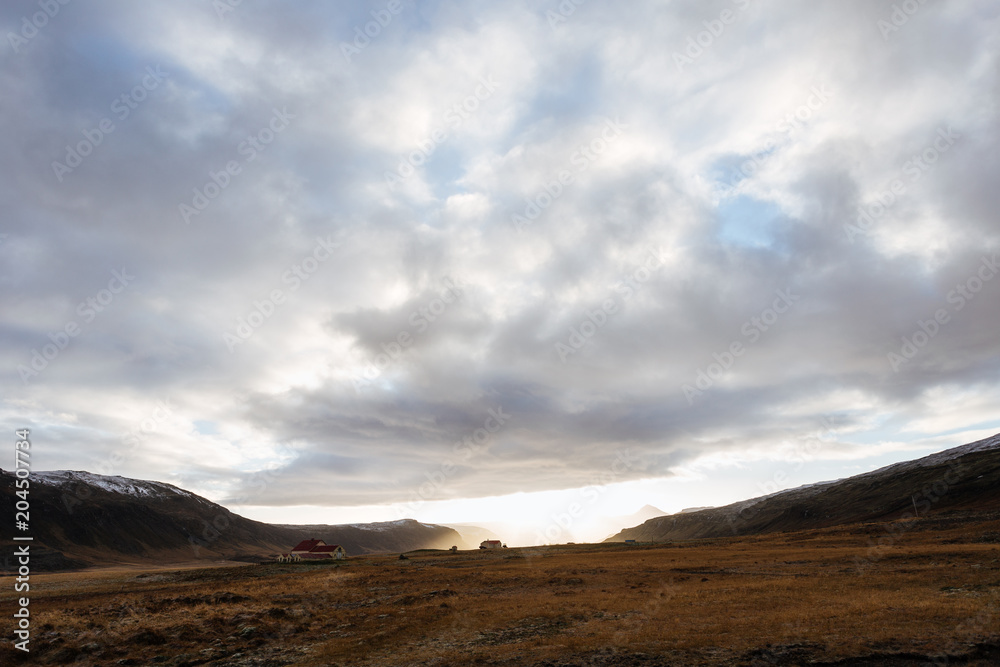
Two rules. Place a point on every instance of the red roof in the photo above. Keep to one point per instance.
(325, 549)
(307, 545)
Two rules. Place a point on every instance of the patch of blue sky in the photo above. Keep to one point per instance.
(990, 425)
(444, 170)
(893, 429)
(576, 93)
(104, 52)
(120, 67)
(746, 221)
(206, 427)
(732, 169)
(123, 68)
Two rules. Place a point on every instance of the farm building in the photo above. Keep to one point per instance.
(334, 551)
(313, 550)
(305, 546)
(490, 544)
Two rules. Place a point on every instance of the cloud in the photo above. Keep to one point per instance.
(746, 173)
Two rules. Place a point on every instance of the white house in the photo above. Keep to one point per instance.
(313, 550)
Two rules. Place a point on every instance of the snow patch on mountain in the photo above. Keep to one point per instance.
(803, 492)
(112, 483)
(983, 445)
(383, 526)
(956, 452)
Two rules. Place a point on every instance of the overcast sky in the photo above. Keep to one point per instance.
(371, 259)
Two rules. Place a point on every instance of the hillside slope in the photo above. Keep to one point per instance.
(385, 536)
(79, 518)
(963, 479)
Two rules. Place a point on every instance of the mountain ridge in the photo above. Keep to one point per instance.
(80, 519)
(963, 478)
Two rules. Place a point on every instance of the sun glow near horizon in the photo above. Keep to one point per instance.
(594, 512)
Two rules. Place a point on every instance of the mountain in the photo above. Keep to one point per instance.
(964, 479)
(101, 519)
(385, 536)
(608, 525)
(645, 513)
(78, 518)
(473, 535)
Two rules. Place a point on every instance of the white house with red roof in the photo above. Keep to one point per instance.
(334, 551)
(313, 550)
(305, 546)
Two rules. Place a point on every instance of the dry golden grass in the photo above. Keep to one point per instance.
(780, 599)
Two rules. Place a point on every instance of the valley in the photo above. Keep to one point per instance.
(931, 597)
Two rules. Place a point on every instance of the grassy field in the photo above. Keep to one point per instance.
(928, 595)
